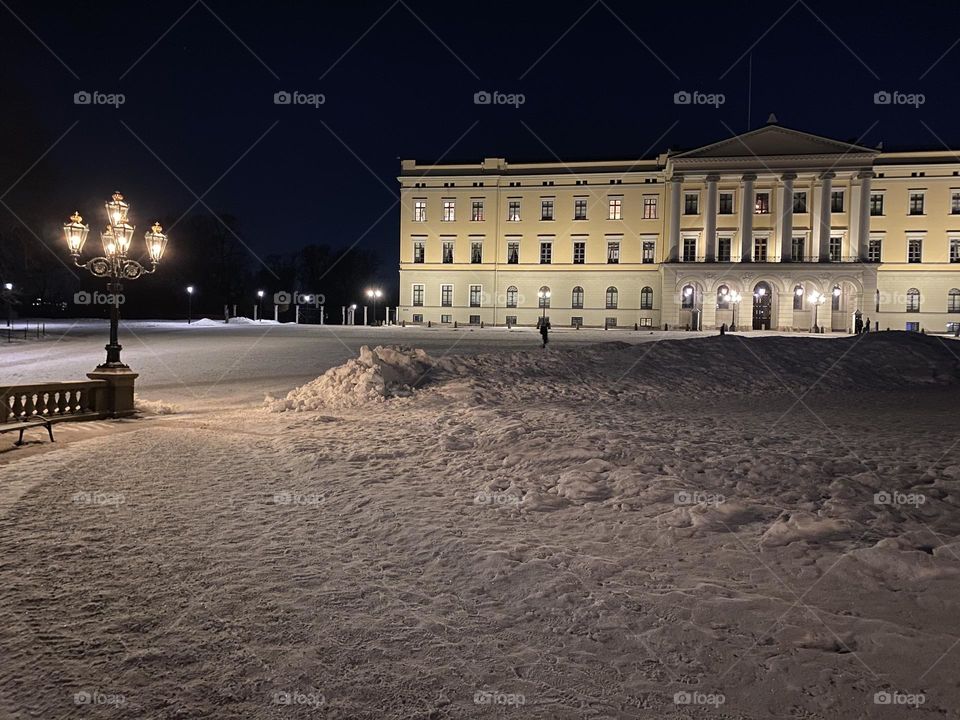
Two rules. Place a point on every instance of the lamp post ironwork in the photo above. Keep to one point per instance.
(544, 296)
(817, 299)
(114, 264)
(374, 294)
(735, 298)
(189, 304)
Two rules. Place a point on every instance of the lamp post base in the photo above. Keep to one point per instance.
(118, 396)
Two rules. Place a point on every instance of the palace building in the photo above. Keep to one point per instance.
(772, 229)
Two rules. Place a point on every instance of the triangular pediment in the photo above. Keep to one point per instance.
(774, 141)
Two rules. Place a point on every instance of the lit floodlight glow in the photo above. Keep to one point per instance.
(190, 289)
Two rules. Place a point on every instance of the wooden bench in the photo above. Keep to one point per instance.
(22, 425)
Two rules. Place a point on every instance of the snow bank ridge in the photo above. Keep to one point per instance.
(374, 376)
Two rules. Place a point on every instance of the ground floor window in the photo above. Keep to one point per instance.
(610, 322)
(418, 295)
(953, 327)
(511, 319)
(576, 321)
(446, 318)
(953, 300)
(417, 318)
(446, 295)
(612, 298)
(913, 300)
(646, 322)
(576, 299)
(646, 298)
(474, 319)
(913, 327)
(475, 292)
(512, 296)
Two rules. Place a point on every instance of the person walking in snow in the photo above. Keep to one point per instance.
(866, 327)
(545, 332)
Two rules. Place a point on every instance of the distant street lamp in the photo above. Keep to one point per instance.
(734, 298)
(375, 294)
(817, 299)
(260, 305)
(114, 264)
(544, 296)
(8, 296)
(353, 309)
(189, 304)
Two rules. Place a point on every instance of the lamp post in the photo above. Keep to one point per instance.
(374, 294)
(114, 263)
(735, 298)
(544, 296)
(260, 305)
(817, 299)
(8, 296)
(353, 310)
(189, 304)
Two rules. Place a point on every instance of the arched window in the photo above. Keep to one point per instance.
(512, 296)
(798, 297)
(723, 297)
(913, 300)
(646, 298)
(612, 297)
(953, 300)
(576, 300)
(543, 295)
(835, 298)
(687, 297)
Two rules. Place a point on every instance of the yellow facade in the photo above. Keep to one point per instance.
(781, 217)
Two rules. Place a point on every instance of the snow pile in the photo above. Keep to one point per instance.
(154, 407)
(376, 375)
(239, 320)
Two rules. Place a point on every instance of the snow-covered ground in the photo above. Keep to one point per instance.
(739, 527)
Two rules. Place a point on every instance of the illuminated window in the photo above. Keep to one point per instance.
(615, 209)
(419, 210)
(449, 210)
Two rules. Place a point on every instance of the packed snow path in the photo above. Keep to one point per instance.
(601, 532)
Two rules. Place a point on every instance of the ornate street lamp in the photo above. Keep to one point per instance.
(817, 299)
(734, 298)
(374, 294)
(544, 296)
(114, 263)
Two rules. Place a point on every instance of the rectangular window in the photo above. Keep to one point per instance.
(798, 249)
(579, 253)
(513, 253)
(836, 201)
(417, 318)
(475, 293)
(446, 295)
(613, 253)
(546, 253)
(913, 327)
(513, 211)
(580, 209)
(474, 319)
(610, 322)
(724, 246)
(576, 321)
(800, 201)
(448, 252)
(449, 210)
(476, 252)
(762, 205)
(955, 250)
(646, 322)
(419, 210)
(725, 206)
(446, 319)
(648, 250)
(546, 209)
(418, 252)
(650, 207)
(914, 250)
(418, 295)
(836, 248)
(876, 204)
(874, 247)
(691, 203)
(511, 320)
(615, 209)
(689, 249)
(916, 203)
(760, 249)
(955, 203)
(476, 211)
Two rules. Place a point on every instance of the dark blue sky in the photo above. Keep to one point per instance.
(399, 81)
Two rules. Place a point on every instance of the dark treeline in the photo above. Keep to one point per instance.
(206, 252)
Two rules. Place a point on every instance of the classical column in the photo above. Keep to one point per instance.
(786, 218)
(863, 231)
(710, 218)
(746, 217)
(674, 248)
(823, 231)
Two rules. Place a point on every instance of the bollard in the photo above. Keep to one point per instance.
(481, 324)
(636, 326)
(429, 323)
(454, 324)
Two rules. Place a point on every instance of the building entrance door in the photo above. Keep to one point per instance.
(762, 306)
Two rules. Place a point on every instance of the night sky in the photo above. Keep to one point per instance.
(399, 80)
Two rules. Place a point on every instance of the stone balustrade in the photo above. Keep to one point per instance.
(68, 400)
